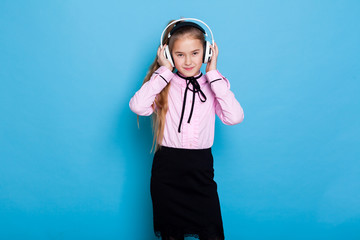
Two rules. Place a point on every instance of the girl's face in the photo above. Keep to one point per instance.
(187, 54)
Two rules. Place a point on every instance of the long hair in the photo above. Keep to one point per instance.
(161, 100)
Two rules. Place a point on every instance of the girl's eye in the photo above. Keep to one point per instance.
(180, 55)
(195, 53)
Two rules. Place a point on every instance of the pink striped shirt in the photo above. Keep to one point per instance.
(199, 133)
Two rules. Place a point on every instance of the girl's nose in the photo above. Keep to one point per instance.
(187, 60)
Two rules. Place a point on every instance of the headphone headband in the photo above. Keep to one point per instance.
(184, 24)
(184, 19)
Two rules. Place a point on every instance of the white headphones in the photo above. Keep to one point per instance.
(207, 50)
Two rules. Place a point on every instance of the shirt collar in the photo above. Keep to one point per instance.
(202, 80)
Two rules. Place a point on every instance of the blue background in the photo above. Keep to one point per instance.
(74, 165)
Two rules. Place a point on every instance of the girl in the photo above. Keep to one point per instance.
(183, 104)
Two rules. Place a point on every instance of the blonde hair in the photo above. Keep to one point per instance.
(161, 100)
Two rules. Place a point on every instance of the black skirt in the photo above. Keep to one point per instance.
(184, 195)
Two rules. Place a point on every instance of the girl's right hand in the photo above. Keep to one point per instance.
(161, 59)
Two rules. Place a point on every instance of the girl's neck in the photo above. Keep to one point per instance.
(196, 75)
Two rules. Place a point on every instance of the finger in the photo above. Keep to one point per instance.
(212, 48)
(162, 49)
(158, 51)
(162, 53)
(216, 50)
(215, 46)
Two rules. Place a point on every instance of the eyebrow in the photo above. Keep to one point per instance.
(192, 51)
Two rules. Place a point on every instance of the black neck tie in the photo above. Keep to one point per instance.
(195, 89)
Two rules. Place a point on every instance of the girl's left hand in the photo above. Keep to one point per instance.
(211, 65)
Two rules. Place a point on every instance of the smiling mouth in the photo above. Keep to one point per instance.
(188, 69)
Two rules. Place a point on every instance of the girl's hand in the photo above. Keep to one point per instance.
(161, 59)
(211, 65)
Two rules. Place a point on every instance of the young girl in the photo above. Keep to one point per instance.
(183, 104)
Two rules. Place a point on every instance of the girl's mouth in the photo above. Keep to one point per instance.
(188, 69)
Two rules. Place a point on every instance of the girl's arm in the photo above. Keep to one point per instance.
(141, 102)
(227, 107)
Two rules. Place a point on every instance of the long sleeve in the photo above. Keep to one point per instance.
(141, 102)
(227, 107)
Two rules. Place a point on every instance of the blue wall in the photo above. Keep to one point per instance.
(74, 165)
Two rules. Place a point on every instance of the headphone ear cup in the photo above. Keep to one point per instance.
(168, 56)
(208, 52)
